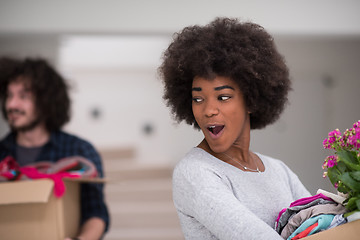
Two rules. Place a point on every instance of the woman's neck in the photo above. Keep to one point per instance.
(240, 157)
(240, 152)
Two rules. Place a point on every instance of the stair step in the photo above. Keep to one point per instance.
(145, 234)
(140, 202)
(139, 185)
(114, 176)
(135, 207)
(140, 220)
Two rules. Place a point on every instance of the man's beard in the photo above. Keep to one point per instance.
(30, 126)
(27, 127)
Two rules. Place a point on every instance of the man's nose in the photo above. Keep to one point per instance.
(12, 102)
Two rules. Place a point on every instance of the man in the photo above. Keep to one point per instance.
(36, 104)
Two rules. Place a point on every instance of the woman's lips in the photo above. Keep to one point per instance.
(215, 130)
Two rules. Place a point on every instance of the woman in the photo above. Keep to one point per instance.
(225, 79)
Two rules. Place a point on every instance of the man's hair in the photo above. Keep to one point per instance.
(243, 52)
(48, 87)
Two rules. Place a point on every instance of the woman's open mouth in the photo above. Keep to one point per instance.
(215, 130)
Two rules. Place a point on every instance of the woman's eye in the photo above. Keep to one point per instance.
(197, 100)
(223, 98)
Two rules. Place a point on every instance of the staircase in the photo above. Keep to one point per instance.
(140, 202)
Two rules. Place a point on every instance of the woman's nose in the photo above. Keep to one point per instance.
(211, 108)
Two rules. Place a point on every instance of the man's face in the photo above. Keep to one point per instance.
(20, 106)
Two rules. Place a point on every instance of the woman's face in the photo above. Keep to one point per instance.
(219, 109)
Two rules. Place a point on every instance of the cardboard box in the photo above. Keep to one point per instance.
(29, 210)
(347, 231)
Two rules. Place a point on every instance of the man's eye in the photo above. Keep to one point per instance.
(223, 98)
(8, 95)
(23, 96)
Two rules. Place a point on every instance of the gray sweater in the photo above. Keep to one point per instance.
(215, 200)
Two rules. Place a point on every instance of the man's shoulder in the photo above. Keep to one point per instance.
(7, 137)
(7, 140)
(7, 145)
(65, 138)
(66, 142)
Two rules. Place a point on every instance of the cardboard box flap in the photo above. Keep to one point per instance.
(87, 180)
(347, 231)
(33, 191)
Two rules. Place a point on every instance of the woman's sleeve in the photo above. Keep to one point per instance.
(203, 195)
(297, 187)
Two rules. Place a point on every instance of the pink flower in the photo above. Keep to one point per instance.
(335, 134)
(326, 144)
(333, 138)
(357, 124)
(356, 138)
(330, 161)
(352, 137)
(347, 143)
(324, 165)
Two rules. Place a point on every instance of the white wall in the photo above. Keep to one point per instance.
(159, 16)
(325, 74)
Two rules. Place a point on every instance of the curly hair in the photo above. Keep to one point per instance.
(49, 88)
(242, 51)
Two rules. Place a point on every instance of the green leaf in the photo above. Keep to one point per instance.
(358, 203)
(350, 213)
(351, 204)
(349, 158)
(333, 175)
(347, 180)
(355, 175)
(343, 189)
(341, 166)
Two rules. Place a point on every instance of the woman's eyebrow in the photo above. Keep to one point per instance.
(223, 87)
(197, 89)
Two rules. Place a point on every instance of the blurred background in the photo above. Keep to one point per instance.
(110, 50)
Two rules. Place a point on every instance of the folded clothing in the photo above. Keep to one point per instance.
(70, 167)
(336, 197)
(9, 169)
(305, 232)
(59, 186)
(297, 219)
(76, 164)
(323, 221)
(296, 206)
